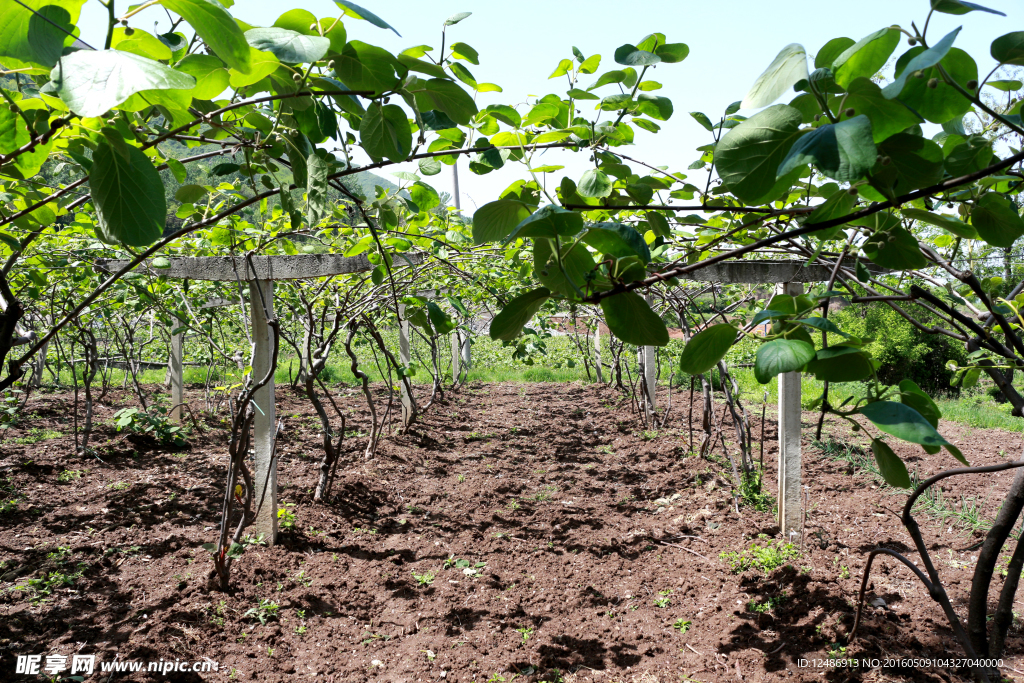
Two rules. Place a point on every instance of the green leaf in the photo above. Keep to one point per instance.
(507, 325)
(217, 28)
(779, 356)
(911, 395)
(425, 196)
(463, 51)
(997, 221)
(385, 132)
(439, 319)
(749, 154)
(496, 220)
(562, 69)
(377, 275)
(178, 170)
(618, 240)
(788, 67)
(864, 58)
(888, 117)
(456, 18)
(289, 46)
(631, 55)
(357, 12)
(705, 349)
(503, 113)
(91, 82)
(923, 59)
(1009, 49)
(429, 166)
(630, 319)
(672, 53)
(317, 171)
(943, 102)
(829, 51)
(914, 162)
(590, 64)
(840, 364)
(576, 264)
(960, 7)
(429, 68)
(161, 262)
(659, 108)
(948, 223)
(894, 248)
(840, 204)
(969, 156)
(28, 39)
(703, 120)
(190, 194)
(550, 220)
(843, 151)
(903, 422)
(129, 196)
(608, 77)
(362, 66)
(450, 98)
(1006, 86)
(595, 183)
(892, 469)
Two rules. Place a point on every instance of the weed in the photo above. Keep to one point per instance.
(35, 435)
(118, 485)
(769, 604)
(264, 612)
(682, 625)
(154, 423)
(525, 632)
(461, 478)
(424, 579)
(766, 558)
(606, 449)
(285, 517)
(68, 476)
(753, 494)
(41, 588)
(662, 602)
(649, 434)
(844, 572)
(513, 504)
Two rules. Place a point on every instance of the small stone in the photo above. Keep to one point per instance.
(877, 602)
(377, 663)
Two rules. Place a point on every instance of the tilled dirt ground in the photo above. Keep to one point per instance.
(527, 532)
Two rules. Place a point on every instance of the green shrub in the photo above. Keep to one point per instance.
(904, 351)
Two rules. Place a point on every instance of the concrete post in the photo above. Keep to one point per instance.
(176, 372)
(789, 442)
(404, 357)
(467, 354)
(651, 370)
(597, 351)
(265, 476)
(456, 348)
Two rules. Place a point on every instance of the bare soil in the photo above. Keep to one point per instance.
(549, 492)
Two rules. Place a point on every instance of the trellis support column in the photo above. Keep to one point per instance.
(467, 354)
(789, 442)
(265, 476)
(175, 370)
(650, 371)
(404, 357)
(597, 350)
(456, 355)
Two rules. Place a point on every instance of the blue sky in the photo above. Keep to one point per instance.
(520, 44)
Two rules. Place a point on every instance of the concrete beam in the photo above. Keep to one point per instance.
(232, 268)
(767, 272)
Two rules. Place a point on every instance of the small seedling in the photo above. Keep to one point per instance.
(682, 625)
(264, 612)
(285, 517)
(525, 632)
(424, 579)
